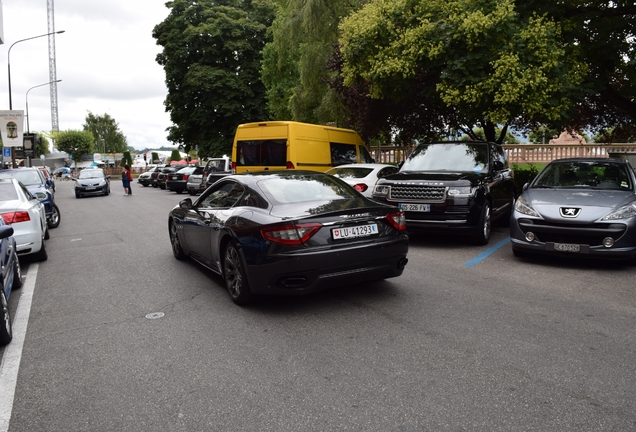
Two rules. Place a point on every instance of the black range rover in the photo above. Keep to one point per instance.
(459, 186)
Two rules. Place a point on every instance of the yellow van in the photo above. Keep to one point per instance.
(277, 145)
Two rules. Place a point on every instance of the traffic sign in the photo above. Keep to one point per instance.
(6, 151)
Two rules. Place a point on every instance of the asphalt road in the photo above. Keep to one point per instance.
(123, 337)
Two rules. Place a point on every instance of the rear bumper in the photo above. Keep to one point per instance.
(302, 273)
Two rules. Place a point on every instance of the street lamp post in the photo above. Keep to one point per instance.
(9, 59)
(27, 100)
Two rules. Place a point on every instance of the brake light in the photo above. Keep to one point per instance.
(15, 217)
(361, 187)
(185, 177)
(290, 165)
(397, 220)
(291, 234)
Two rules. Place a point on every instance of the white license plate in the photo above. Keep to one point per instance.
(415, 207)
(354, 232)
(90, 188)
(566, 247)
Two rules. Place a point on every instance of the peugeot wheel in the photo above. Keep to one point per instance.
(234, 274)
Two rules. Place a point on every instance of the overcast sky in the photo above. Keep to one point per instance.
(105, 59)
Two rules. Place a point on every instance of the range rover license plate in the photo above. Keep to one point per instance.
(566, 247)
(415, 207)
(354, 232)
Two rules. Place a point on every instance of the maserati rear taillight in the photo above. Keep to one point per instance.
(15, 217)
(291, 234)
(397, 220)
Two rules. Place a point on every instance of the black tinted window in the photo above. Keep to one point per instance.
(222, 196)
(261, 153)
(342, 154)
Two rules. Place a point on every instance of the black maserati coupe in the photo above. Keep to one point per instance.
(288, 232)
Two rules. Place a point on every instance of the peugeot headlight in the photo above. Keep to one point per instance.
(625, 212)
(524, 207)
(381, 190)
(461, 191)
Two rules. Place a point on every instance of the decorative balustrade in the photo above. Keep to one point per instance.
(523, 153)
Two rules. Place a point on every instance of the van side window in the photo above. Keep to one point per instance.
(342, 154)
(261, 153)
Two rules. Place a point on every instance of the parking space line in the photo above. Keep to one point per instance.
(13, 352)
(485, 254)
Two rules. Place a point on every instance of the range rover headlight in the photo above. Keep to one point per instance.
(381, 190)
(625, 212)
(461, 191)
(523, 206)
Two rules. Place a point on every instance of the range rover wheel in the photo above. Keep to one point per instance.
(482, 233)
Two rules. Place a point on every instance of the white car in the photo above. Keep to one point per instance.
(363, 177)
(26, 215)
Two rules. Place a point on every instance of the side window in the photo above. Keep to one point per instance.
(222, 196)
(252, 199)
(365, 156)
(387, 171)
(497, 153)
(342, 154)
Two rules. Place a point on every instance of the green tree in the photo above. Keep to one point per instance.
(74, 142)
(487, 64)
(41, 145)
(295, 63)
(602, 35)
(542, 134)
(175, 155)
(479, 133)
(154, 158)
(105, 130)
(126, 159)
(211, 55)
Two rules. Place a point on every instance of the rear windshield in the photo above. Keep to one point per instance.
(27, 177)
(261, 153)
(286, 190)
(344, 173)
(8, 192)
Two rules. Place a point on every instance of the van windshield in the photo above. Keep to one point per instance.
(261, 153)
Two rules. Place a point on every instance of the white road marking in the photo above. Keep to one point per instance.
(13, 352)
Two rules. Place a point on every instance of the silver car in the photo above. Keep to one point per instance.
(578, 207)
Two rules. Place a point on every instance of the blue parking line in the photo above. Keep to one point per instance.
(485, 254)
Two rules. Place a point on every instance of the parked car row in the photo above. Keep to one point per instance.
(258, 223)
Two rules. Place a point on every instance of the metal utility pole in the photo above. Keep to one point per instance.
(55, 126)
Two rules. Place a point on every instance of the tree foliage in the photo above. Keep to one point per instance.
(295, 62)
(76, 143)
(105, 130)
(470, 63)
(211, 57)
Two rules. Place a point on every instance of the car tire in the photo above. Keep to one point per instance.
(144, 185)
(177, 250)
(482, 233)
(155, 185)
(235, 277)
(47, 234)
(6, 332)
(54, 221)
(17, 275)
(107, 191)
(42, 255)
(77, 195)
(192, 193)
